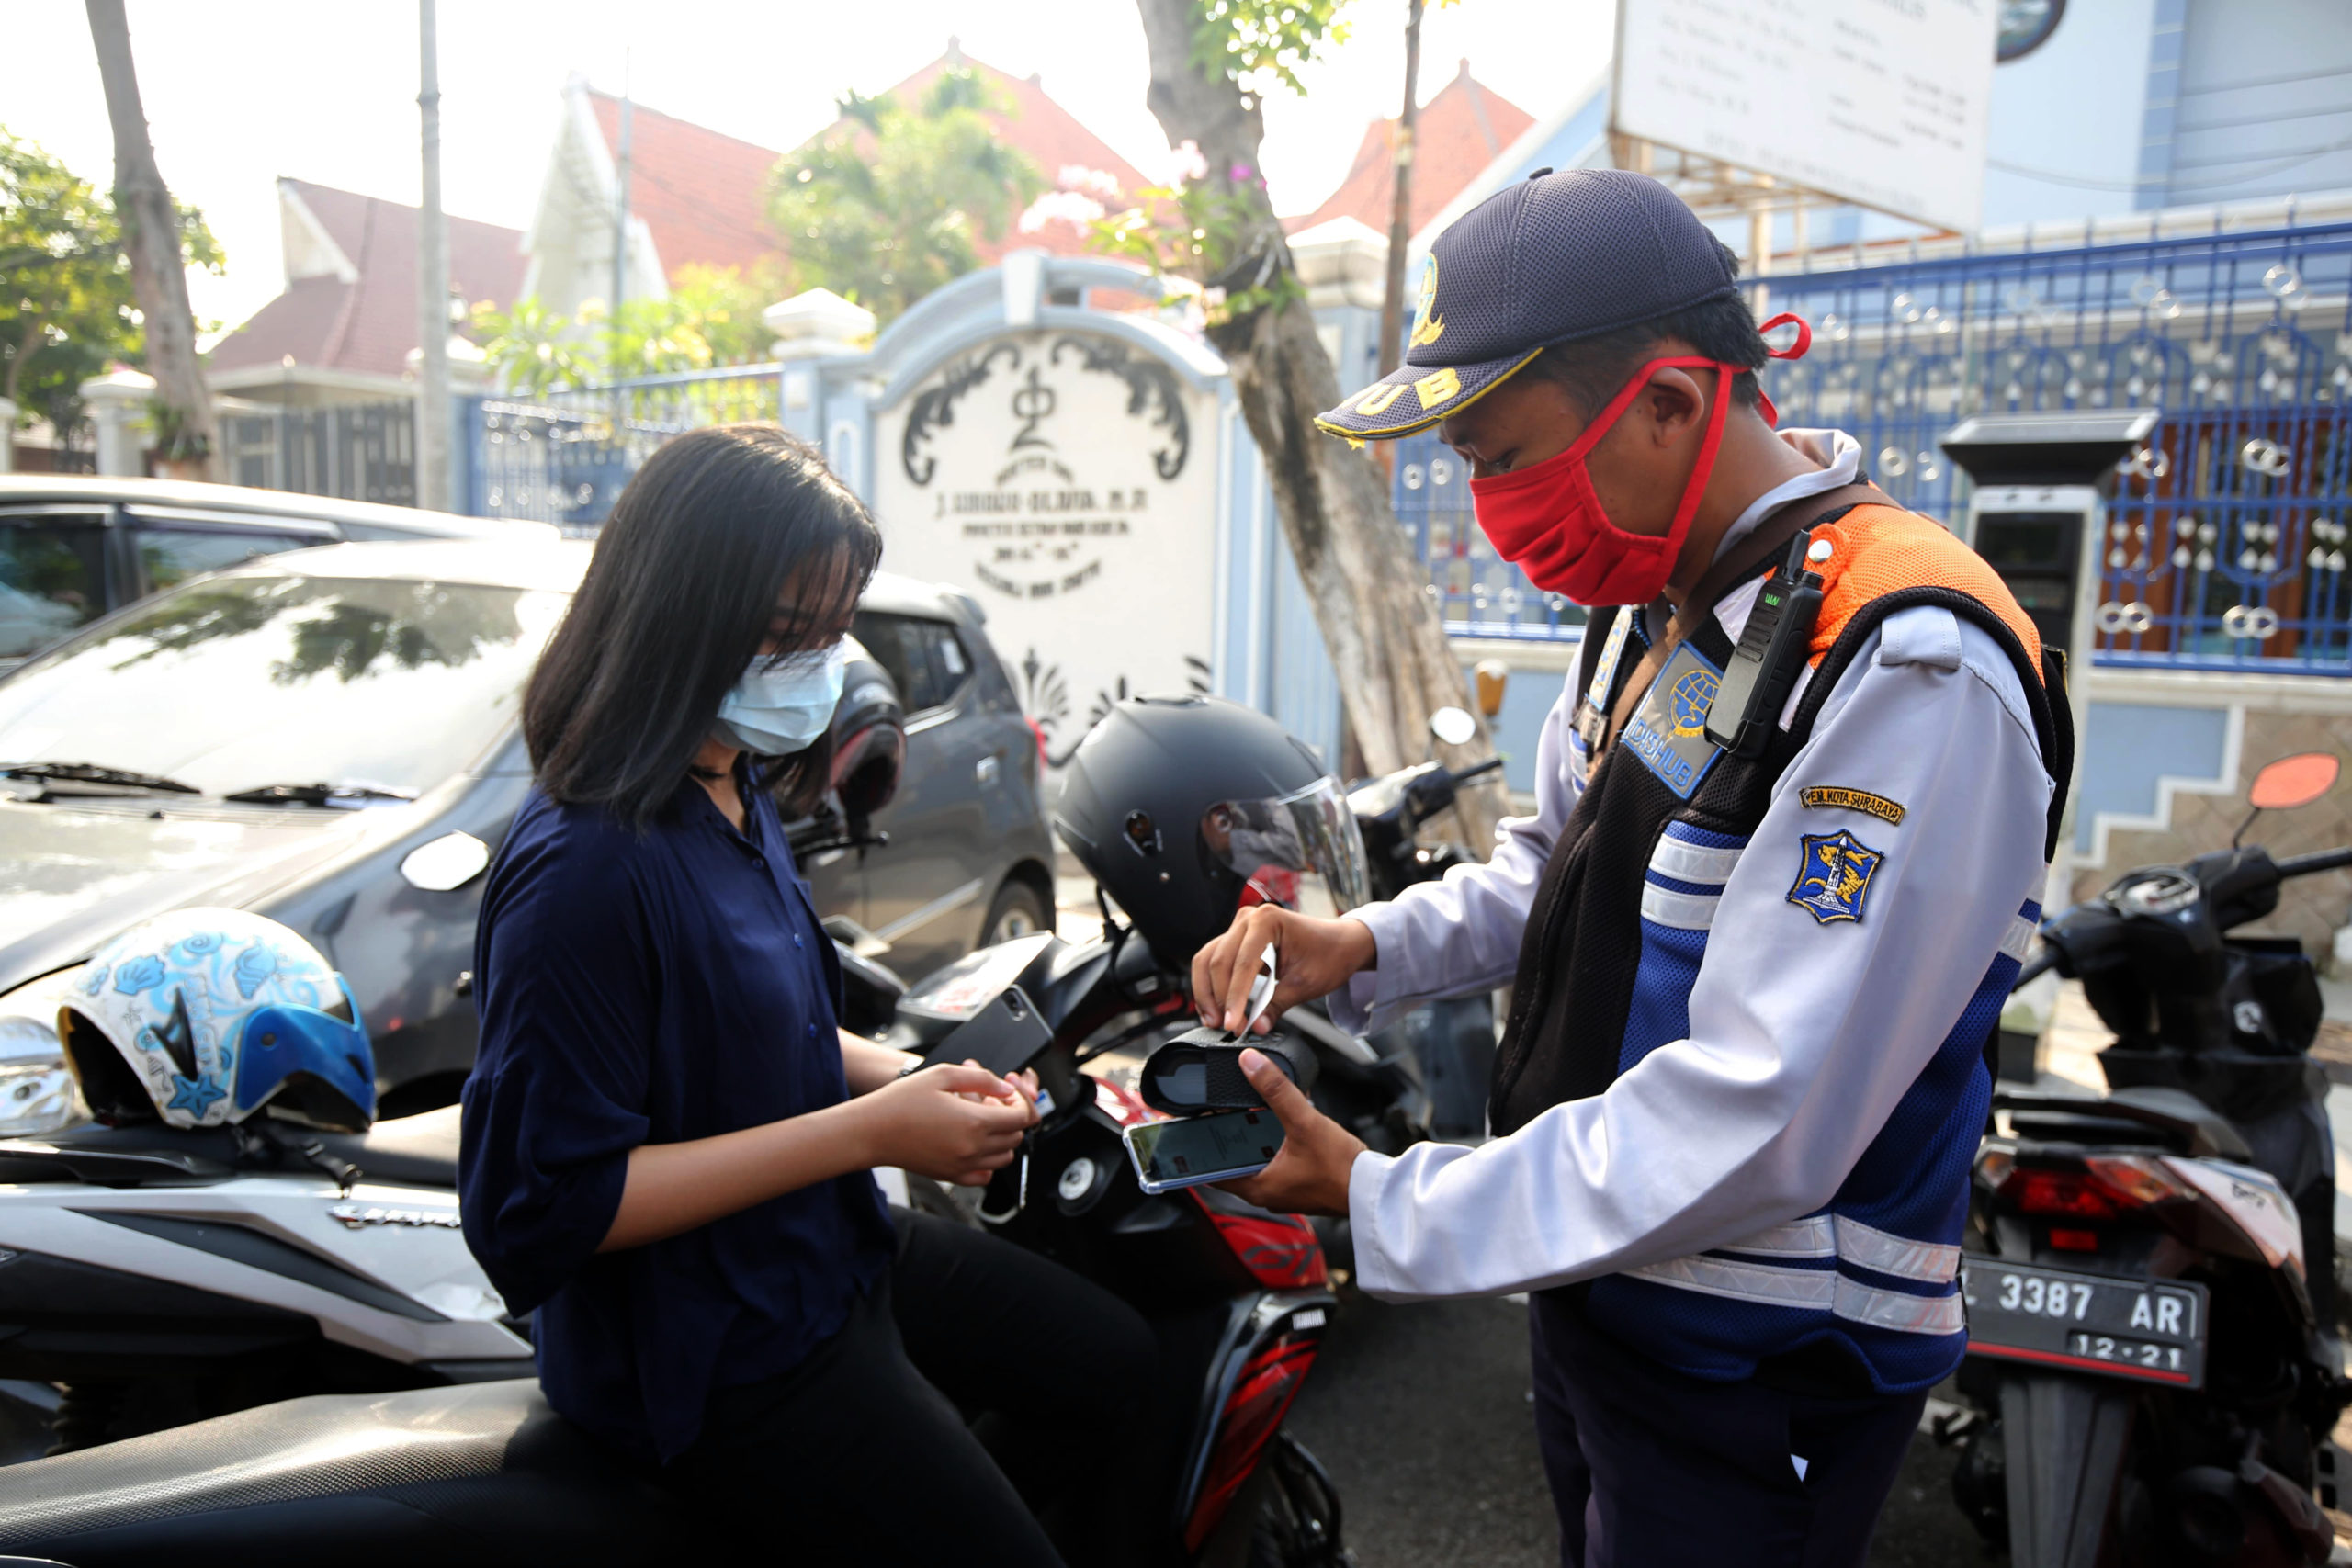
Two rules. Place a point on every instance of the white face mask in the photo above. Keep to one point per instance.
(782, 705)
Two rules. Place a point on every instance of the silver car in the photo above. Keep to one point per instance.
(328, 737)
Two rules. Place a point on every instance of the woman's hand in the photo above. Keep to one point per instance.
(951, 1123)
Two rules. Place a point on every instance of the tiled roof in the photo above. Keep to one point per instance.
(369, 326)
(1051, 136)
(702, 195)
(1458, 133)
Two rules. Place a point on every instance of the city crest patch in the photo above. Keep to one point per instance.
(1834, 876)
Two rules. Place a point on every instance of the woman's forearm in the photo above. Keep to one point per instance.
(867, 1065)
(673, 1188)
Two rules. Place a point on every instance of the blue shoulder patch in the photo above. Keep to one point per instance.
(1834, 876)
(1669, 731)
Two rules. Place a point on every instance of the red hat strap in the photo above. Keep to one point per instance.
(1804, 335)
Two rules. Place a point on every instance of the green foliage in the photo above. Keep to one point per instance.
(532, 350)
(1257, 42)
(711, 319)
(1201, 229)
(1212, 225)
(66, 305)
(887, 206)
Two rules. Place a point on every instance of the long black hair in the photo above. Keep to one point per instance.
(677, 598)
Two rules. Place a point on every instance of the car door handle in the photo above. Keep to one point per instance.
(986, 771)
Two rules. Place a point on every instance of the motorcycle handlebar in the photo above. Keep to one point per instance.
(1430, 795)
(2040, 963)
(2307, 865)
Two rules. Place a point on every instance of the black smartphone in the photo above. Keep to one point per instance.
(1218, 1148)
(1004, 1036)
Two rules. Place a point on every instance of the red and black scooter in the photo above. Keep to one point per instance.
(1238, 1296)
(486, 1474)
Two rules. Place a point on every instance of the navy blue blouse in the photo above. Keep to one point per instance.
(651, 989)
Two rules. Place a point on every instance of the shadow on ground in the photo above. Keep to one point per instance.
(1421, 1414)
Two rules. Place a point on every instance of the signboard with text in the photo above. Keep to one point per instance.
(1881, 102)
(1067, 481)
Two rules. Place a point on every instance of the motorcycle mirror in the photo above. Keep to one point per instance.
(1454, 725)
(1492, 675)
(2294, 781)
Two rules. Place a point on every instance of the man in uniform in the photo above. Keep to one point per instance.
(1759, 930)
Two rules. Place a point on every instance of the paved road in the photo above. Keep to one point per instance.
(1421, 1414)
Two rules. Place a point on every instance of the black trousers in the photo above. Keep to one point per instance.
(864, 1452)
(1652, 1469)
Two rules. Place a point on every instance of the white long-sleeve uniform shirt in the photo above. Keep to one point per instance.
(1804, 1036)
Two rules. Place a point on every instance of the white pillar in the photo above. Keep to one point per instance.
(817, 323)
(117, 403)
(812, 327)
(8, 436)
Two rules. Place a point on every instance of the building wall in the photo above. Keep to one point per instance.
(2147, 756)
(2072, 107)
(2264, 104)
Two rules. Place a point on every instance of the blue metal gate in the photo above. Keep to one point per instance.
(563, 458)
(2228, 537)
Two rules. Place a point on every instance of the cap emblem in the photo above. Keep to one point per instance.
(1427, 328)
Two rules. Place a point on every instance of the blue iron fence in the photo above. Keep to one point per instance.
(2228, 535)
(563, 457)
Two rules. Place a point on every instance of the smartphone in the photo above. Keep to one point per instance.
(1004, 1036)
(1216, 1147)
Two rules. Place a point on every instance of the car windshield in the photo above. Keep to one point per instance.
(235, 683)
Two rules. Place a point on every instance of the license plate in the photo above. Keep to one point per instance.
(2152, 1330)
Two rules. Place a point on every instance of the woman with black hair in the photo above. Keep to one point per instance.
(667, 1141)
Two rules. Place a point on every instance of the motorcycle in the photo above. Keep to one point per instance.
(237, 1264)
(2153, 1371)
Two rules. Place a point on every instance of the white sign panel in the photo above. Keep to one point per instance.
(1065, 479)
(1881, 102)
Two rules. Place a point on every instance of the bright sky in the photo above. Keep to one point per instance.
(239, 92)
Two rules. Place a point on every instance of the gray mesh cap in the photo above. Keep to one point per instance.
(1551, 259)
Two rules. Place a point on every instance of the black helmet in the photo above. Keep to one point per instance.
(1186, 808)
(869, 737)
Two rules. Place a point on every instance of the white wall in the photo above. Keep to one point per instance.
(2263, 83)
(2074, 107)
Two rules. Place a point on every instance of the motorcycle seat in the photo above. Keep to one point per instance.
(482, 1474)
(411, 1151)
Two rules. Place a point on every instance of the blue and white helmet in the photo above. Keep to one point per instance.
(202, 1017)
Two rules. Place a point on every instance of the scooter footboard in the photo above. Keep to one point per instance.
(2064, 1439)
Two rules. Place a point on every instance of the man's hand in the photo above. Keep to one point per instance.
(1309, 1175)
(1317, 957)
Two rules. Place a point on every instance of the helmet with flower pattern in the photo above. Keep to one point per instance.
(202, 1017)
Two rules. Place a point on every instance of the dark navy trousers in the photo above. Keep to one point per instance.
(1652, 1469)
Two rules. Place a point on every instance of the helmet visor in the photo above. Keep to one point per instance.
(1300, 850)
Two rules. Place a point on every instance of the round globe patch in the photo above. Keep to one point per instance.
(1693, 695)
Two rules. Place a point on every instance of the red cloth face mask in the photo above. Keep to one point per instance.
(1547, 520)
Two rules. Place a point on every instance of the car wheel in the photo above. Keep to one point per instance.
(1019, 910)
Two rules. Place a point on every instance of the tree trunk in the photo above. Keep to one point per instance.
(151, 234)
(1382, 630)
(1400, 211)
